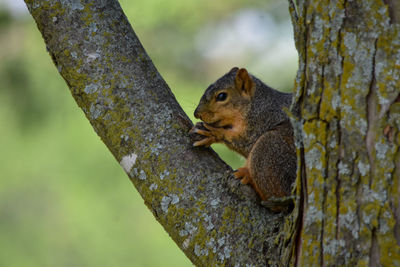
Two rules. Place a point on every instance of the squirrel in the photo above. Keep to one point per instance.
(248, 116)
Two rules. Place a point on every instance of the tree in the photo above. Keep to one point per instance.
(347, 209)
(347, 87)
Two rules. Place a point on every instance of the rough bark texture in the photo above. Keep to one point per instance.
(347, 88)
(212, 217)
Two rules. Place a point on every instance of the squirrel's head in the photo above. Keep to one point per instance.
(227, 99)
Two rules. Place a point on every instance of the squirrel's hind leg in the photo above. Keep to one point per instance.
(272, 162)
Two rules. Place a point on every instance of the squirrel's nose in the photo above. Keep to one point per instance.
(196, 113)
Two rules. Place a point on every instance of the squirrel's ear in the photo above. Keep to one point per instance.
(244, 83)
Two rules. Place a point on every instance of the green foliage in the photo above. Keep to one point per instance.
(64, 201)
(5, 18)
(26, 103)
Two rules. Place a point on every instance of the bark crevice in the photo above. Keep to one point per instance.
(371, 117)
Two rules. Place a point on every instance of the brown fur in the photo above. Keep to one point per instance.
(250, 120)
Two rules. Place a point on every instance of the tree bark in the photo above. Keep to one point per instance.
(212, 217)
(347, 88)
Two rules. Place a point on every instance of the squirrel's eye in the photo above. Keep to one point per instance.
(221, 96)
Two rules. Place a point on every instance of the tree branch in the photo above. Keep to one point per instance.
(190, 191)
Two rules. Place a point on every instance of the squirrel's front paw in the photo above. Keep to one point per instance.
(201, 136)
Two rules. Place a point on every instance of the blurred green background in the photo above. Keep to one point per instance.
(64, 200)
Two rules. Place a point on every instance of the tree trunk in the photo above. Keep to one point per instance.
(347, 210)
(347, 88)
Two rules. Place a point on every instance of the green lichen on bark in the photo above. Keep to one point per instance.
(346, 87)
